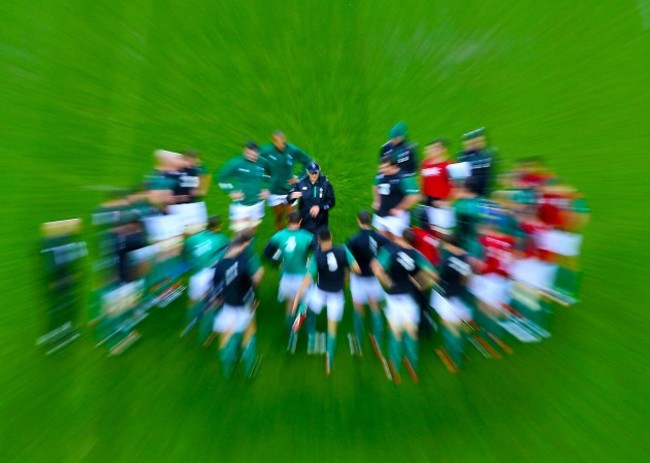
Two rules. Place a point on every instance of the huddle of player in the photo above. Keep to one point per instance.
(491, 269)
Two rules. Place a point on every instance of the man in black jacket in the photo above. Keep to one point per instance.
(315, 197)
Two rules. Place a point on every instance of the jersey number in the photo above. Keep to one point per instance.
(406, 261)
(331, 262)
(384, 189)
(291, 244)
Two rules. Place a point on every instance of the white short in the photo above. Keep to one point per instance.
(441, 217)
(200, 284)
(492, 289)
(276, 200)
(241, 212)
(560, 242)
(234, 319)
(534, 272)
(365, 289)
(451, 310)
(289, 286)
(401, 310)
(334, 302)
(393, 224)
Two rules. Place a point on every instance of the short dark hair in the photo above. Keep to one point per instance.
(387, 159)
(365, 217)
(294, 217)
(251, 145)
(243, 238)
(215, 222)
(440, 141)
(324, 234)
(278, 133)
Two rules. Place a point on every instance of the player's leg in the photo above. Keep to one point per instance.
(411, 318)
(249, 347)
(359, 298)
(229, 340)
(279, 212)
(315, 305)
(335, 303)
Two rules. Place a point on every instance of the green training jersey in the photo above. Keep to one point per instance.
(243, 176)
(204, 249)
(282, 165)
(468, 216)
(294, 247)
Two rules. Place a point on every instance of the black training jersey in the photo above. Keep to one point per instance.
(364, 247)
(453, 270)
(400, 264)
(327, 268)
(403, 154)
(391, 190)
(233, 280)
(188, 180)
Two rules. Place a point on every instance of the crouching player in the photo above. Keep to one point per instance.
(236, 276)
(291, 247)
(398, 268)
(365, 287)
(327, 269)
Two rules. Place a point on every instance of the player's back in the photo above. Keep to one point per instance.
(331, 266)
(364, 247)
(403, 265)
(233, 281)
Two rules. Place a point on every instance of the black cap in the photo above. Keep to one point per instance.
(313, 167)
(251, 145)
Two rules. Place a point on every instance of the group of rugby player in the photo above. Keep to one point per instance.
(491, 269)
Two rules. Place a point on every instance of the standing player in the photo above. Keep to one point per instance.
(291, 246)
(399, 267)
(315, 196)
(394, 195)
(436, 185)
(235, 278)
(194, 176)
(201, 251)
(448, 300)
(481, 157)
(327, 270)
(400, 150)
(365, 287)
(244, 179)
(282, 158)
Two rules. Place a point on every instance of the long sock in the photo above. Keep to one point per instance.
(358, 327)
(331, 346)
(411, 349)
(228, 355)
(311, 331)
(454, 346)
(250, 354)
(394, 350)
(377, 328)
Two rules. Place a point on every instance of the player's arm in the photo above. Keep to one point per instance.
(352, 263)
(226, 177)
(426, 275)
(255, 270)
(272, 251)
(378, 266)
(413, 195)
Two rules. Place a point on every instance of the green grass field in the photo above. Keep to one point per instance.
(89, 89)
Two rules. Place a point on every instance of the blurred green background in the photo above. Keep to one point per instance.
(89, 89)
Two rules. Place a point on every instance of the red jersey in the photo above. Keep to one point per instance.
(435, 179)
(551, 205)
(427, 244)
(499, 252)
(533, 229)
